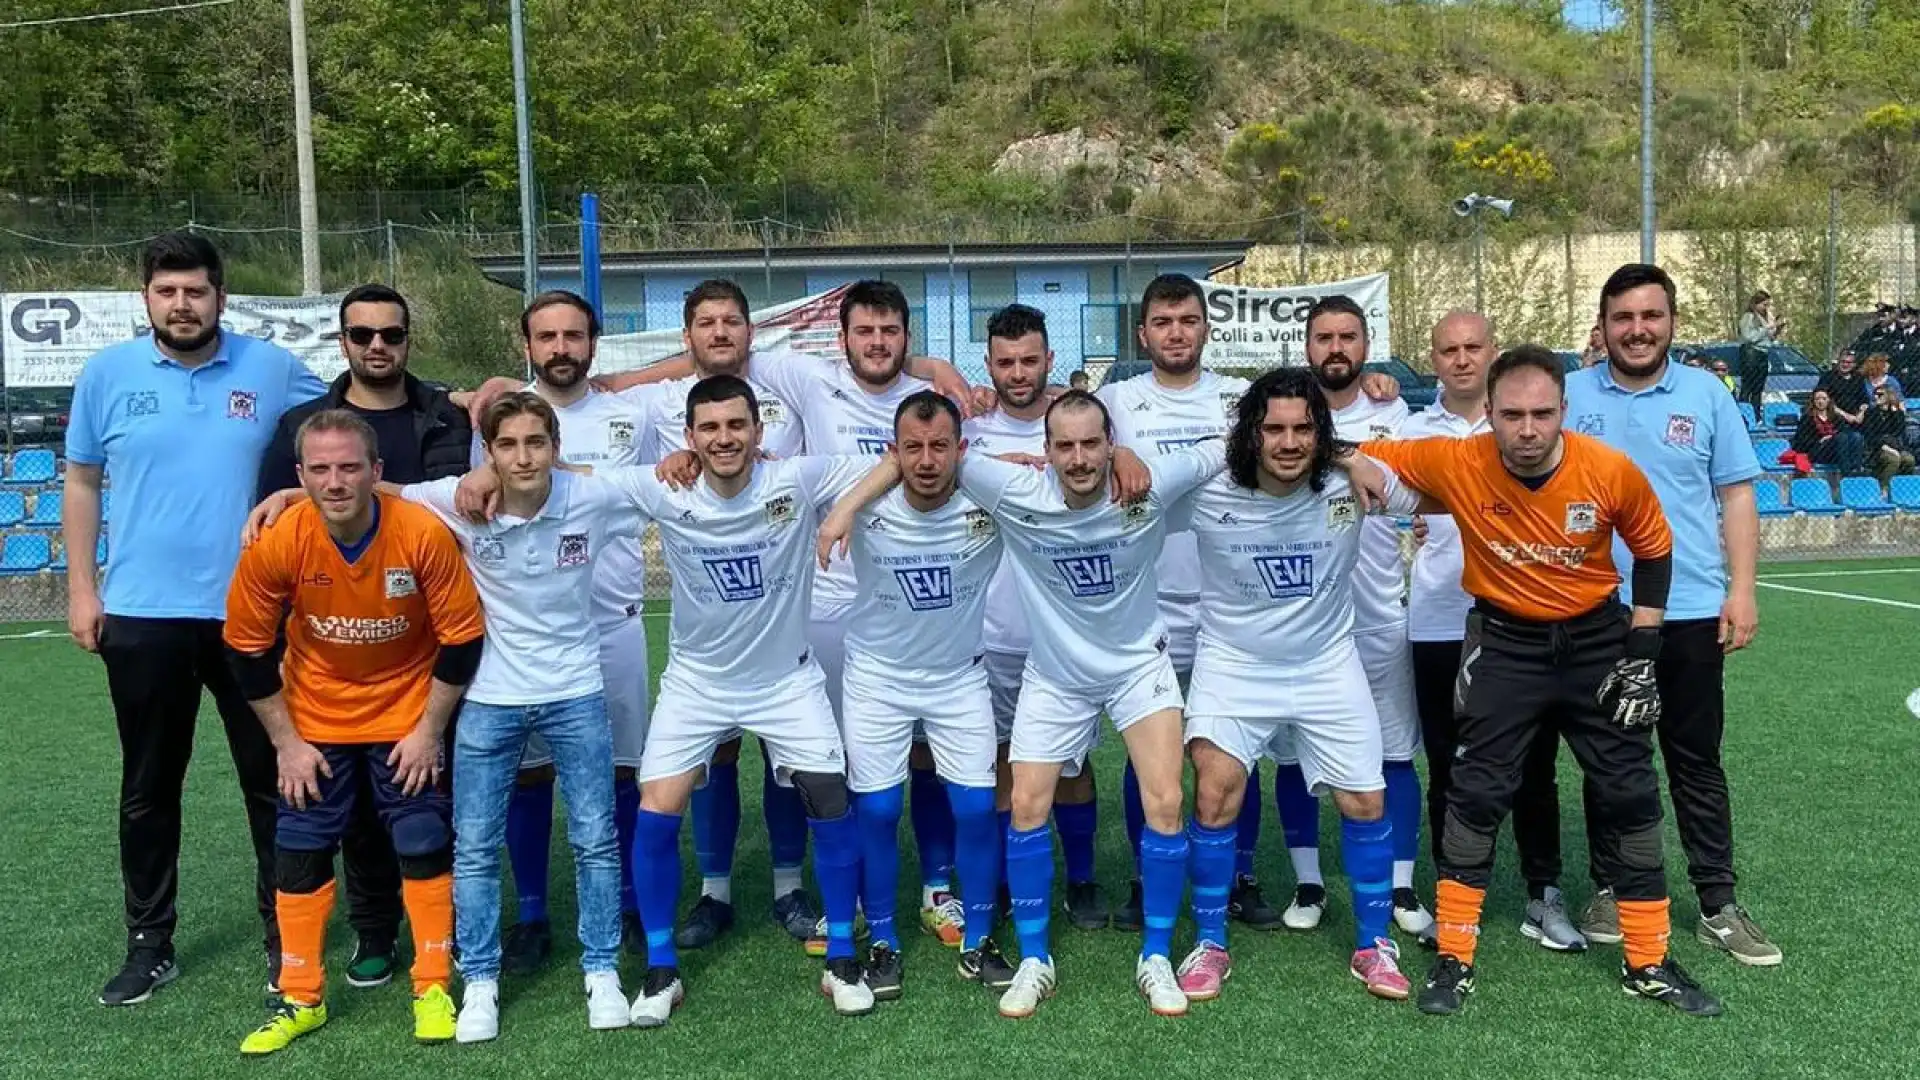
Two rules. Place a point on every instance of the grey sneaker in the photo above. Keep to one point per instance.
(1731, 929)
(1601, 921)
(1547, 923)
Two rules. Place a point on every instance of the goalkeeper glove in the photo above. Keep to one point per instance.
(1630, 690)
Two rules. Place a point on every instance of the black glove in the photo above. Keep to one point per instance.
(1630, 691)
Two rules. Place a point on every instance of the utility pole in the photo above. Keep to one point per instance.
(523, 134)
(1646, 132)
(303, 153)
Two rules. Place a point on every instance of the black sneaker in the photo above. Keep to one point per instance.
(147, 969)
(1447, 987)
(886, 975)
(796, 913)
(987, 966)
(705, 922)
(526, 948)
(1669, 983)
(274, 956)
(373, 962)
(632, 935)
(1084, 907)
(1246, 905)
(1129, 917)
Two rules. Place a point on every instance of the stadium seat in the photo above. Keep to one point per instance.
(1746, 414)
(1769, 451)
(25, 553)
(1780, 415)
(1861, 494)
(1814, 496)
(1767, 497)
(1905, 493)
(13, 508)
(46, 510)
(36, 466)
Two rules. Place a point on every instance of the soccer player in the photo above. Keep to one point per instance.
(1549, 642)
(1278, 537)
(1683, 429)
(383, 633)
(179, 418)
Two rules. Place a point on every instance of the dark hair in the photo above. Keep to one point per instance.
(336, 420)
(1337, 304)
(1632, 276)
(182, 250)
(1760, 297)
(375, 294)
(925, 405)
(714, 289)
(1079, 400)
(555, 298)
(1171, 289)
(715, 389)
(878, 295)
(1017, 321)
(1243, 441)
(518, 403)
(1520, 357)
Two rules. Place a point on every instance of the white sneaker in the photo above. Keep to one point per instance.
(844, 984)
(1410, 915)
(1032, 984)
(606, 1002)
(1308, 905)
(479, 1019)
(659, 996)
(1154, 977)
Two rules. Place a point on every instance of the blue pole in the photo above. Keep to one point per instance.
(590, 250)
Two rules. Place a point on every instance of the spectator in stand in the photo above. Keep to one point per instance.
(1846, 387)
(1720, 372)
(1880, 335)
(1759, 329)
(1078, 380)
(1902, 344)
(1888, 450)
(1874, 374)
(1826, 438)
(1596, 350)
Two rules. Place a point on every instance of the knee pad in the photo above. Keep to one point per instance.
(1641, 849)
(824, 796)
(887, 804)
(1464, 845)
(420, 833)
(302, 872)
(426, 867)
(970, 802)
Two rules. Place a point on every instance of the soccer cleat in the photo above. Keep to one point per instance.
(479, 1019)
(1032, 984)
(1601, 921)
(945, 920)
(147, 969)
(1667, 982)
(1448, 984)
(526, 947)
(1249, 907)
(1085, 911)
(1411, 916)
(817, 938)
(844, 984)
(274, 959)
(1379, 968)
(1130, 917)
(288, 1021)
(705, 922)
(886, 975)
(1547, 923)
(1153, 977)
(372, 964)
(986, 965)
(660, 994)
(433, 1016)
(1308, 905)
(606, 1002)
(1204, 971)
(633, 936)
(1732, 930)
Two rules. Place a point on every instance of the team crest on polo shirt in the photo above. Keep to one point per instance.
(1134, 515)
(620, 434)
(1594, 424)
(242, 404)
(1379, 431)
(1342, 512)
(1582, 517)
(979, 524)
(573, 550)
(144, 403)
(1680, 430)
(489, 549)
(780, 510)
(1230, 406)
(400, 582)
(772, 411)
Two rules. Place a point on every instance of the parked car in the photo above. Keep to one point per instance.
(37, 415)
(1790, 375)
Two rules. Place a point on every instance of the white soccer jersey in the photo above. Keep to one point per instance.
(922, 587)
(1380, 580)
(1152, 420)
(1006, 621)
(1436, 604)
(1088, 575)
(742, 567)
(664, 406)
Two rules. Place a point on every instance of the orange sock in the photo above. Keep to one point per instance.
(1644, 928)
(303, 943)
(1458, 915)
(429, 904)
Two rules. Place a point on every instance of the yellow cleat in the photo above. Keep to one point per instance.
(945, 920)
(289, 1021)
(433, 1016)
(816, 945)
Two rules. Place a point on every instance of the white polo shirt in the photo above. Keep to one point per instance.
(1380, 578)
(1005, 628)
(664, 407)
(1436, 604)
(922, 580)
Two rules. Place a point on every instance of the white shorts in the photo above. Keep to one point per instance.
(827, 640)
(1182, 619)
(623, 668)
(1388, 660)
(1003, 683)
(1054, 725)
(882, 721)
(793, 719)
(1321, 711)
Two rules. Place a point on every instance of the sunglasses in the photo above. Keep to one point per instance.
(364, 335)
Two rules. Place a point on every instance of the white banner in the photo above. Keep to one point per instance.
(1267, 328)
(810, 324)
(45, 337)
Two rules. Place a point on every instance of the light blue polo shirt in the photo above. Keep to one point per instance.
(1686, 433)
(182, 450)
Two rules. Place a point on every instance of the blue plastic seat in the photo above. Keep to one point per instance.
(1769, 451)
(1770, 502)
(36, 466)
(1812, 495)
(25, 553)
(13, 508)
(46, 511)
(1905, 493)
(1861, 494)
(1746, 414)
(1781, 414)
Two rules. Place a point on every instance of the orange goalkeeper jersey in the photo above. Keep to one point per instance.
(362, 638)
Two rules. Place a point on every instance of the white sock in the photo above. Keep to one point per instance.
(1306, 865)
(720, 888)
(1403, 874)
(786, 879)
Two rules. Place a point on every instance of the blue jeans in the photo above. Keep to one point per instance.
(486, 754)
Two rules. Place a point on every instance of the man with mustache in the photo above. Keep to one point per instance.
(180, 417)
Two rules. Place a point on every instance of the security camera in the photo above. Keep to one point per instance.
(1505, 206)
(1465, 207)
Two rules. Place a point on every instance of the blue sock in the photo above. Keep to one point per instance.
(1246, 832)
(529, 847)
(836, 867)
(1163, 885)
(656, 878)
(877, 817)
(1136, 814)
(1299, 810)
(1366, 848)
(1211, 865)
(1030, 879)
(1077, 823)
(1403, 809)
(716, 820)
(977, 852)
(1003, 824)
(626, 806)
(786, 822)
(932, 830)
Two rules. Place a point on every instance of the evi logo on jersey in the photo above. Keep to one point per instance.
(927, 588)
(736, 579)
(1287, 577)
(1087, 575)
